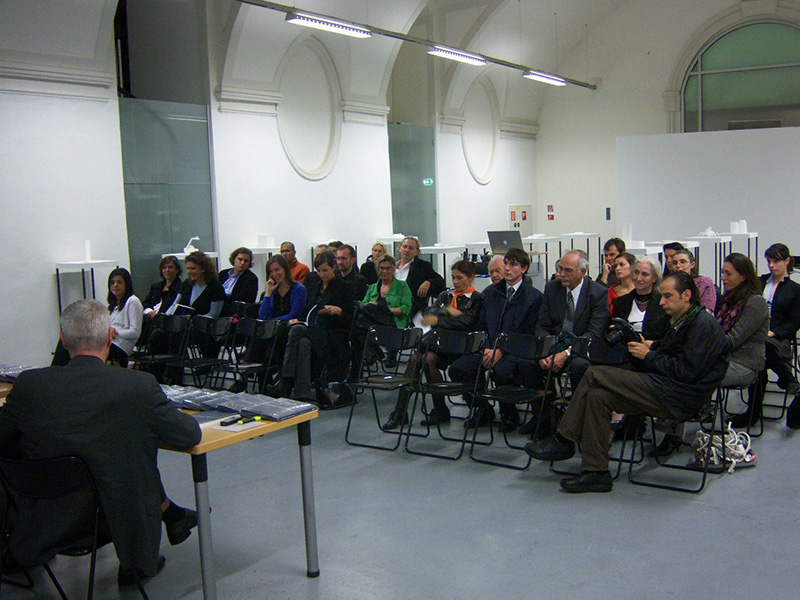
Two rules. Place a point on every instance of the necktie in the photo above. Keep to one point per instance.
(509, 293)
(569, 318)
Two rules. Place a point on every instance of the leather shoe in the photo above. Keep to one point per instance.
(550, 449)
(668, 445)
(128, 577)
(476, 421)
(588, 481)
(793, 413)
(396, 419)
(507, 425)
(179, 530)
(435, 418)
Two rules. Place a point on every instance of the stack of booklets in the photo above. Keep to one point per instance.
(9, 373)
(273, 409)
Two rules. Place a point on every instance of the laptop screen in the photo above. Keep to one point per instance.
(502, 241)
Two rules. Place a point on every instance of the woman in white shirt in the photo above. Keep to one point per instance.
(126, 315)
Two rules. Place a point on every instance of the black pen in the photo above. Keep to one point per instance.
(230, 420)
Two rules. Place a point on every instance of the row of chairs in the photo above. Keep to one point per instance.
(523, 347)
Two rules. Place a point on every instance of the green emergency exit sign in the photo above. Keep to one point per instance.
(427, 182)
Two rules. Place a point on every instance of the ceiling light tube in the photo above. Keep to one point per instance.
(545, 78)
(459, 55)
(328, 24)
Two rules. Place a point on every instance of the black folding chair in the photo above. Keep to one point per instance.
(209, 349)
(526, 348)
(388, 339)
(264, 335)
(166, 344)
(48, 480)
(454, 344)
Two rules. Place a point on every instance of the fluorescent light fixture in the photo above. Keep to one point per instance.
(328, 24)
(459, 55)
(545, 78)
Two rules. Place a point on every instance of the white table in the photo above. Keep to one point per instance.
(443, 251)
(720, 247)
(82, 266)
(580, 236)
(746, 243)
(546, 240)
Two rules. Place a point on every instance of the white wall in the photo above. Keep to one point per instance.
(61, 184)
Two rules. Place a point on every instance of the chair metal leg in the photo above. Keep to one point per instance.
(377, 420)
(409, 435)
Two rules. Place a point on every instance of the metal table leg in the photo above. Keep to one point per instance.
(309, 513)
(200, 477)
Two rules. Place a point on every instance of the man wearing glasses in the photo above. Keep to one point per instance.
(573, 306)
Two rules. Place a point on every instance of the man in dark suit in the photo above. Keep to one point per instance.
(573, 306)
(113, 419)
(240, 283)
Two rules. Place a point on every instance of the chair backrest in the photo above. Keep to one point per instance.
(245, 309)
(260, 329)
(526, 347)
(46, 478)
(216, 327)
(456, 342)
(172, 323)
(393, 338)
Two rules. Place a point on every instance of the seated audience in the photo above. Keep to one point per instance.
(201, 290)
(682, 371)
(369, 269)
(284, 298)
(611, 249)
(460, 310)
(670, 248)
(497, 270)
(240, 283)
(418, 274)
(163, 292)
(641, 307)
(510, 306)
(624, 265)
(320, 248)
(299, 270)
(114, 420)
(683, 260)
(317, 345)
(345, 268)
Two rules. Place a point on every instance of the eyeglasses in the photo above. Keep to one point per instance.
(567, 270)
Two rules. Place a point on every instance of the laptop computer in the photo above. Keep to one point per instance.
(502, 241)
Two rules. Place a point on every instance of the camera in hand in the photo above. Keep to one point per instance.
(622, 332)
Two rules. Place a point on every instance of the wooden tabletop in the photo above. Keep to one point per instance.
(5, 388)
(215, 438)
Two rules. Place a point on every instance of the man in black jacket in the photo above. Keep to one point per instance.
(512, 305)
(682, 371)
(345, 268)
(113, 419)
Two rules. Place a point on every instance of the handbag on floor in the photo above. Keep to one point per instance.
(738, 452)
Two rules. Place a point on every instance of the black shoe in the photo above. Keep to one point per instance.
(283, 389)
(237, 387)
(793, 388)
(476, 421)
(396, 419)
(588, 481)
(435, 418)
(668, 445)
(529, 428)
(793, 413)
(507, 425)
(179, 530)
(745, 420)
(550, 449)
(128, 577)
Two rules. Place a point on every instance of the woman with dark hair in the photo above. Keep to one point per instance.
(683, 260)
(239, 282)
(126, 315)
(783, 296)
(284, 298)
(318, 344)
(163, 292)
(201, 291)
(623, 270)
(457, 310)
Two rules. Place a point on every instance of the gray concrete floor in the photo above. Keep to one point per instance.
(392, 525)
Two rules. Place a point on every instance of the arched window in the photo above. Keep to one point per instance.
(747, 78)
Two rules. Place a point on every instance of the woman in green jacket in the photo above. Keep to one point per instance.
(394, 292)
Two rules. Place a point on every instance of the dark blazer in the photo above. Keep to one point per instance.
(785, 311)
(202, 304)
(519, 315)
(338, 293)
(157, 294)
(685, 367)
(112, 418)
(419, 272)
(470, 308)
(656, 320)
(368, 272)
(591, 313)
(245, 289)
